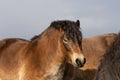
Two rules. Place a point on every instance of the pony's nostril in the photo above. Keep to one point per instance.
(80, 63)
(84, 61)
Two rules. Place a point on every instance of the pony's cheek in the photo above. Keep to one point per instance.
(67, 47)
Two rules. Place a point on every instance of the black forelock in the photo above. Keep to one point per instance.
(71, 29)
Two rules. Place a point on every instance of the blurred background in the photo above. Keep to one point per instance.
(26, 18)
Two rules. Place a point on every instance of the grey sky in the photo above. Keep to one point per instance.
(26, 18)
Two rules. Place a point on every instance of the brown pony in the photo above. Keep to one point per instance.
(93, 49)
(44, 57)
(109, 68)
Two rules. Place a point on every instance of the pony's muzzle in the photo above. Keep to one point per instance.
(80, 63)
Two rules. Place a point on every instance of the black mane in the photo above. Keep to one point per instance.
(34, 37)
(109, 68)
(71, 28)
(113, 52)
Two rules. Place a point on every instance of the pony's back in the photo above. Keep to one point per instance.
(9, 58)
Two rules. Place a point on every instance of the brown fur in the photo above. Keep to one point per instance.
(93, 49)
(42, 58)
(109, 68)
(9, 57)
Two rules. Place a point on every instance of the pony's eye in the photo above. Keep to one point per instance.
(65, 40)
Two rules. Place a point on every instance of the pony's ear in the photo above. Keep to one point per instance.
(78, 23)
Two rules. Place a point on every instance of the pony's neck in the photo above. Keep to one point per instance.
(51, 57)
